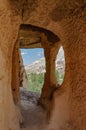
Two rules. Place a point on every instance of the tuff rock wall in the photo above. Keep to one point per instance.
(9, 24)
(67, 19)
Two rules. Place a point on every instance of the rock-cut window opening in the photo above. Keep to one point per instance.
(60, 66)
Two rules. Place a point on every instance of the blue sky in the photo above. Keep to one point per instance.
(31, 55)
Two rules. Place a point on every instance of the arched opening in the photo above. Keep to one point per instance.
(60, 66)
(32, 37)
(36, 37)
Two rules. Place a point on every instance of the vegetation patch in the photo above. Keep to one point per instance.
(36, 81)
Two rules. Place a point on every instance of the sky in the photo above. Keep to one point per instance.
(31, 55)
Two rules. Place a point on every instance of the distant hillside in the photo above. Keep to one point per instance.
(39, 65)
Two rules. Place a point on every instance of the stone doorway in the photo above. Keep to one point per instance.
(36, 37)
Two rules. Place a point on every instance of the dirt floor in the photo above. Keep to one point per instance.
(34, 115)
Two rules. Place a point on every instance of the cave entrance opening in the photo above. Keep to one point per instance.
(35, 37)
(32, 71)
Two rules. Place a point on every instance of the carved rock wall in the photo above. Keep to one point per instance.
(9, 119)
(16, 73)
(67, 19)
(69, 102)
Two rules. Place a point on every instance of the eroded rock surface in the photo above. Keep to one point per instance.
(67, 20)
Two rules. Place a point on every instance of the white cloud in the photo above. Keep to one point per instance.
(39, 54)
(23, 53)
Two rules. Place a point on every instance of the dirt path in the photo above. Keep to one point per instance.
(34, 116)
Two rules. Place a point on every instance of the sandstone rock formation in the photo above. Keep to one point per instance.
(47, 24)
